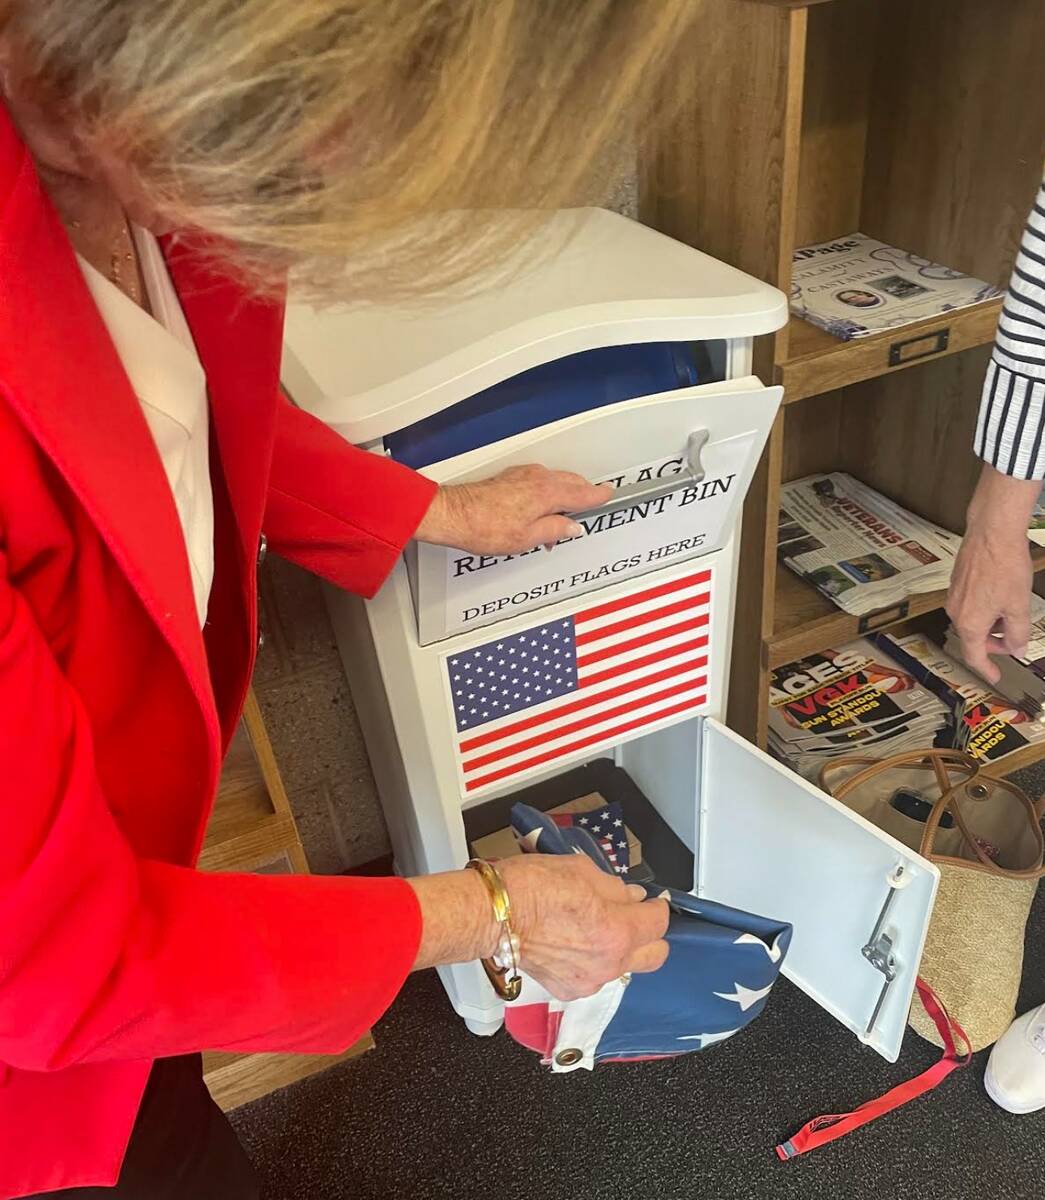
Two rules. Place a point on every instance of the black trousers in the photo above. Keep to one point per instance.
(182, 1147)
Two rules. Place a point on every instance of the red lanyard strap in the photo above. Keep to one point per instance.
(822, 1130)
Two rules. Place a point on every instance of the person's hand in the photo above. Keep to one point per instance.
(989, 600)
(989, 597)
(516, 510)
(579, 927)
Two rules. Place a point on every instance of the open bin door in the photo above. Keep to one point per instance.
(772, 843)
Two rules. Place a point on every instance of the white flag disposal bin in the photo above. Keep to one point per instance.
(626, 357)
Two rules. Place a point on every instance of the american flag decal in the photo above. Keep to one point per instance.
(528, 698)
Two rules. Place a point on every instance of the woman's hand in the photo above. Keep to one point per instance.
(991, 584)
(578, 927)
(516, 510)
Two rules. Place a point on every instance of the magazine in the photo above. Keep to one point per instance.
(851, 700)
(860, 550)
(986, 725)
(1022, 679)
(855, 286)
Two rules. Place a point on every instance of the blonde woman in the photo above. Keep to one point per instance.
(163, 165)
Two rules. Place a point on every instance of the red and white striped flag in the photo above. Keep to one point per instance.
(576, 682)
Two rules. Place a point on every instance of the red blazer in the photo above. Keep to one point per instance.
(115, 712)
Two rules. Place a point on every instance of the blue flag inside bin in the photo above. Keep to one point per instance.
(721, 967)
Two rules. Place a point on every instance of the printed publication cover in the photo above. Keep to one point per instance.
(986, 725)
(854, 286)
(853, 699)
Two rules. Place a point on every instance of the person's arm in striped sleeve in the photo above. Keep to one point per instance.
(991, 586)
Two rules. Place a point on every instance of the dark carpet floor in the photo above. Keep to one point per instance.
(435, 1112)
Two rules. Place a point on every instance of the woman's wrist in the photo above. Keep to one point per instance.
(444, 524)
(457, 918)
(502, 966)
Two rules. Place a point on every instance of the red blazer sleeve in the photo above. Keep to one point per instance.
(107, 956)
(338, 511)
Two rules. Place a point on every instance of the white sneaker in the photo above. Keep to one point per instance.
(1015, 1078)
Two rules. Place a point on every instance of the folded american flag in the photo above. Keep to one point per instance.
(529, 698)
(606, 826)
(722, 964)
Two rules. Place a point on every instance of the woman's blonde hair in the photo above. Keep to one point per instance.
(359, 142)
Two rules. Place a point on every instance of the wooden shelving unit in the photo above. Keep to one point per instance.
(804, 621)
(817, 362)
(802, 122)
(252, 828)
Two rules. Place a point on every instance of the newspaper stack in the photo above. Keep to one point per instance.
(986, 725)
(1022, 679)
(855, 286)
(857, 548)
(854, 700)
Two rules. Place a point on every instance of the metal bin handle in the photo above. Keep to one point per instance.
(652, 489)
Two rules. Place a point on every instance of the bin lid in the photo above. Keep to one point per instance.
(769, 842)
(371, 370)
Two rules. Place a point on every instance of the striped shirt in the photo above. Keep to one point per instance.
(1010, 434)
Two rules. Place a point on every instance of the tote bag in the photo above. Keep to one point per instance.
(985, 836)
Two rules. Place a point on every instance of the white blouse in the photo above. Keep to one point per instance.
(164, 369)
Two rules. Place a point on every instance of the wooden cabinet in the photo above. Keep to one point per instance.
(252, 829)
(918, 124)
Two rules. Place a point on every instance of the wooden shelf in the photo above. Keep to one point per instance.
(816, 362)
(235, 1079)
(806, 622)
(251, 827)
(871, 115)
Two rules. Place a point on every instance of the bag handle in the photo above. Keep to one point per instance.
(943, 763)
(939, 760)
(950, 801)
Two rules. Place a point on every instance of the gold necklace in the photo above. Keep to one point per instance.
(122, 270)
(121, 260)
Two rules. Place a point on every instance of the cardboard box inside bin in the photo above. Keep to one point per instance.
(502, 844)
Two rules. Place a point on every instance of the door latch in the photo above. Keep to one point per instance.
(879, 948)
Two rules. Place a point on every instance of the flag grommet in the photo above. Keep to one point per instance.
(568, 1058)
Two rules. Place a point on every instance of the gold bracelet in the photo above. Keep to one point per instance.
(505, 957)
